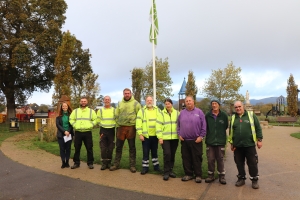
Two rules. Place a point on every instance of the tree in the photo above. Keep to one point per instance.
(163, 80)
(100, 100)
(43, 108)
(191, 88)
(71, 63)
(2, 102)
(137, 83)
(30, 32)
(224, 84)
(292, 101)
(204, 105)
(89, 88)
(62, 68)
(263, 108)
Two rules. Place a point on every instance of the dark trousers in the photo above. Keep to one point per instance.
(64, 149)
(150, 144)
(87, 139)
(249, 153)
(215, 153)
(107, 142)
(169, 150)
(129, 133)
(191, 153)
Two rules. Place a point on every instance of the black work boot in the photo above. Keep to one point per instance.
(240, 182)
(254, 183)
(67, 165)
(222, 179)
(63, 165)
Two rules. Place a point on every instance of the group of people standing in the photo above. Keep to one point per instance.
(165, 127)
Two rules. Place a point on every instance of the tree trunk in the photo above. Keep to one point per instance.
(11, 105)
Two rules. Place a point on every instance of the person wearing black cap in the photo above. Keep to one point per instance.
(217, 123)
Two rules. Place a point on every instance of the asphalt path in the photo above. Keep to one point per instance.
(18, 181)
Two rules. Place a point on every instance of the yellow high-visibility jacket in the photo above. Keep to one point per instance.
(83, 119)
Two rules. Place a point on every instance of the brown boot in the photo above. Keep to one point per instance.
(254, 183)
(222, 179)
(210, 178)
(104, 164)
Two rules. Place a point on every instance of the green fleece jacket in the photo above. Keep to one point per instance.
(242, 134)
(216, 128)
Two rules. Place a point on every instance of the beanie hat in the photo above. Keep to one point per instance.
(215, 100)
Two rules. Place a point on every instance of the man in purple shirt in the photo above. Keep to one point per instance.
(191, 128)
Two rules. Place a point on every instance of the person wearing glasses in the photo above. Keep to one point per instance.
(245, 133)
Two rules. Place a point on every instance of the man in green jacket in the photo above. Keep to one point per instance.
(217, 123)
(245, 133)
(83, 119)
(126, 112)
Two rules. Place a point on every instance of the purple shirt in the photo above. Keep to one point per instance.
(191, 124)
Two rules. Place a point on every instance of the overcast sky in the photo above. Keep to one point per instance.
(260, 36)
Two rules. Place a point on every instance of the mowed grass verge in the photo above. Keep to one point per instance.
(53, 148)
(296, 135)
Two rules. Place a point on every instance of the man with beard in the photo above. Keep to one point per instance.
(83, 119)
(146, 129)
(191, 128)
(126, 112)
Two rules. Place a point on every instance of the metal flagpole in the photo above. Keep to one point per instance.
(153, 55)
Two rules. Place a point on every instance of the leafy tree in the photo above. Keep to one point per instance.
(100, 100)
(292, 93)
(263, 108)
(191, 88)
(224, 84)
(30, 32)
(137, 83)
(72, 63)
(89, 88)
(2, 102)
(62, 68)
(163, 80)
(204, 105)
(43, 108)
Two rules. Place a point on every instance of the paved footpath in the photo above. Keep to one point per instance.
(279, 169)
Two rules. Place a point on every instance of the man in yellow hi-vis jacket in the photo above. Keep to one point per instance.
(83, 119)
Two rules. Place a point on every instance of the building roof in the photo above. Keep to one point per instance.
(182, 89)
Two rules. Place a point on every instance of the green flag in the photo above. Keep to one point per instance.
(155, 24)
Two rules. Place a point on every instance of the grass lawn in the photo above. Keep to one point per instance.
(5, 133)
(296, 135)
(53, 148)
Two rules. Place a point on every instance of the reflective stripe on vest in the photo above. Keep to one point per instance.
(104, 125)
(85, 119)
